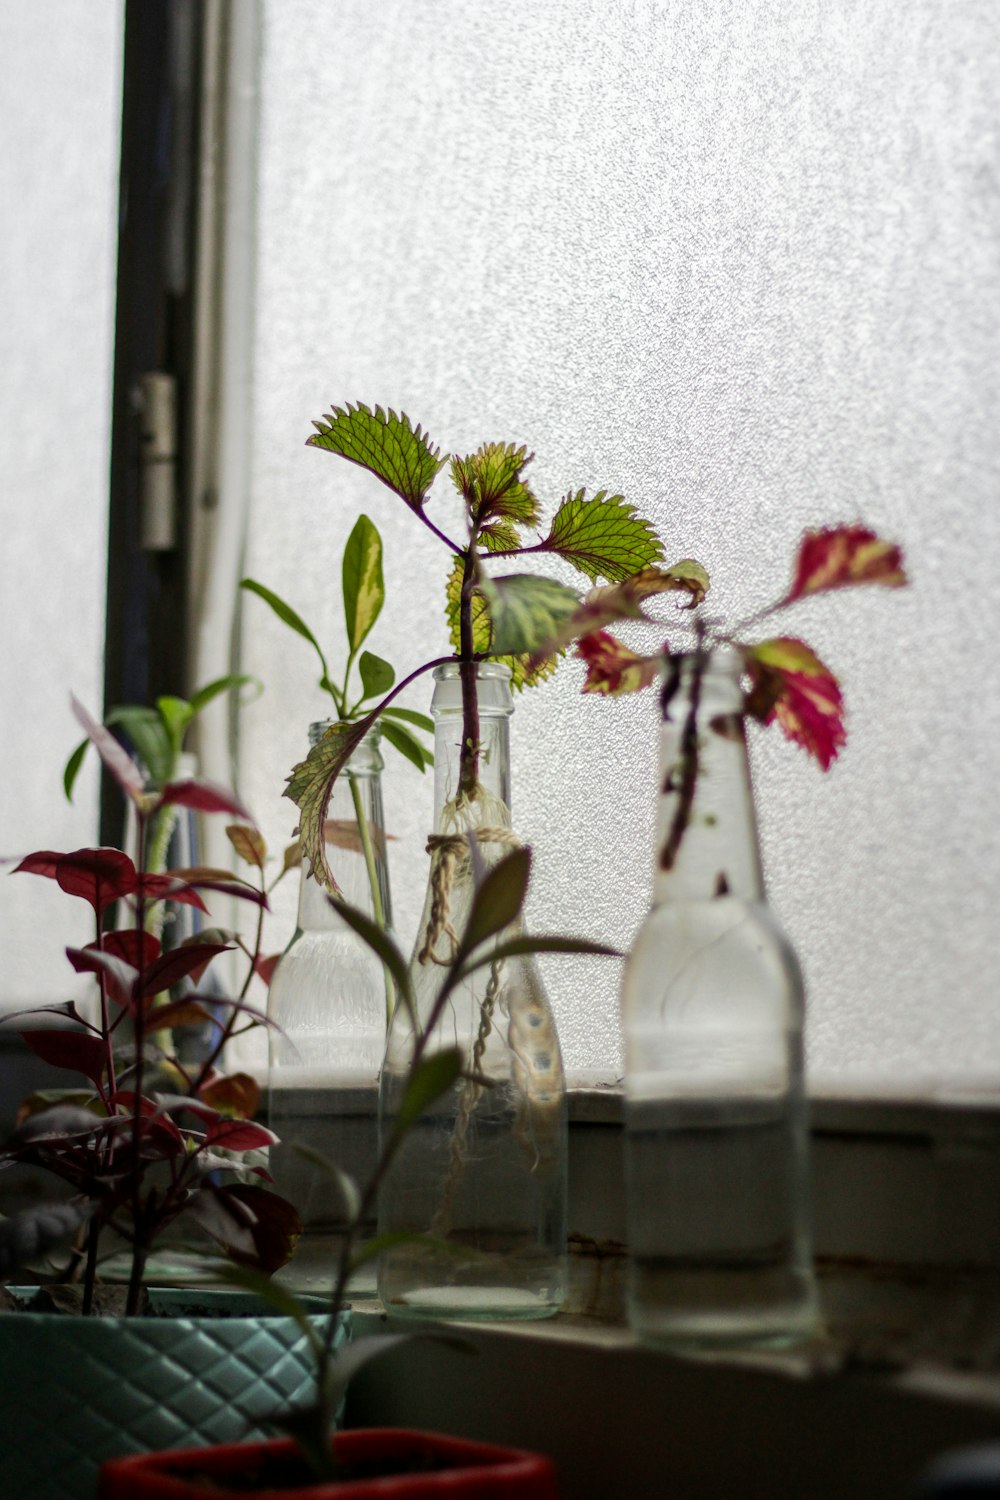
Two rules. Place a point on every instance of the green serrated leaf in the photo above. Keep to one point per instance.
(602, 537)
(364, 587)
(500, 536)
(377, 676)
(421, 721)
(490, 482)
(402, 740)
(522, 672)
(526, 611)
(383, 443)
(310, 787)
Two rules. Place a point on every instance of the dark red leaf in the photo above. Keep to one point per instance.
(76, 1050)
(139, 949)
(239, 1135)
(178, 1013)
(841, 556)
(169, 888)
(119, 976)
(265, 966)
(223, 881)
(205, 796)
(100, 876)
(238, 1094)
(122, 768)
(43, 862)
(276, 1224)
(170, 968)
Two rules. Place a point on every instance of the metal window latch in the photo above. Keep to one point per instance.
(156, 400)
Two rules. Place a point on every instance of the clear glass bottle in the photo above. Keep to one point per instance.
(712, 1000)
(483, 1173)
(329, 1002)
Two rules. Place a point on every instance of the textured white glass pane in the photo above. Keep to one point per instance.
(738, 261)
(60, 113)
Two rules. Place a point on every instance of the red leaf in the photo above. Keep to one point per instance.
(792, 685)
(223, 881)
(169, 888)
(205, 796)
(76, 1050)
(275, 1227)
(239, 1135)
(119, 975)
(265, 966)
(137, 948)
(840, 556)
(122, 768)
(100, 876)
(612, 668)
(43, 862)
(170, 968)
(179, 1013)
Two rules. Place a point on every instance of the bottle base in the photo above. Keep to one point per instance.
(710, 1310)
(499, 1304)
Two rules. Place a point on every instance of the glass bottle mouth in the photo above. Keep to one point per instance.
(319, 727)
(485, 671)
(493, 694)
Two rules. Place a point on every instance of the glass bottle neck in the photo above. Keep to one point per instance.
(487, 726)
(355, 843)
(706, 834)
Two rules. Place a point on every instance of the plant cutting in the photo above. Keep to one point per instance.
(486, 1173)
(390, 1462)
(146, 1145)
(712, 995)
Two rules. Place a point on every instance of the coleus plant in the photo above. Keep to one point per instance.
(785, 681)
(148, 1140)
(508, 616)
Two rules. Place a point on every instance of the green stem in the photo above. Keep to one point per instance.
(378, 910)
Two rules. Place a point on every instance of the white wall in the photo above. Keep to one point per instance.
(739, 261)
(60, 120)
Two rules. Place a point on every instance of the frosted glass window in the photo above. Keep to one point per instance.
(60, 121)
(739, 262)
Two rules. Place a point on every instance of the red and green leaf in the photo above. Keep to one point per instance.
(602, 537)
(524, 671)
(490, 482)
(310, 787)
(237, 1094)
(792, 685)
(840, 557)
(612, 668)
(248, 843)
(383, 443)
(623, 601)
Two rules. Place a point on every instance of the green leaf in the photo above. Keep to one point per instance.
(284, 611)
(422, 721)
(433, 1076)
(377, 676)
(379, 941)
(526, 611)
(402, 740)
(519, 947)
(347, 1188)
(310, 787)
(176, 714)
(523, 673)
(204, 696)
(490, 482)
(383, 443)
(602, 537)
(72, 768)
(498, 900)
(151, 739)
(500, 536)
(363, 585)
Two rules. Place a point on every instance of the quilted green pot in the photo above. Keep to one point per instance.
(206, 1367)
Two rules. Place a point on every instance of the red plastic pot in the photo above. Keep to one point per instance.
(407, 1466)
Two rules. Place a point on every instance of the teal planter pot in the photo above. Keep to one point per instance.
(204, 1368)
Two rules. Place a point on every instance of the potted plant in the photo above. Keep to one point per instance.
(486, 1176)
(712, 997)
(372, 1462)
(146, 1143)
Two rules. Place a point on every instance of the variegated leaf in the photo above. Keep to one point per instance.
(602, 537)
(310, 787)
(383, 443)
(524, 671)
(363, 585)
(792, 685)
(840, 556)
(526, 611)
(612, 668)
(490, 482)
